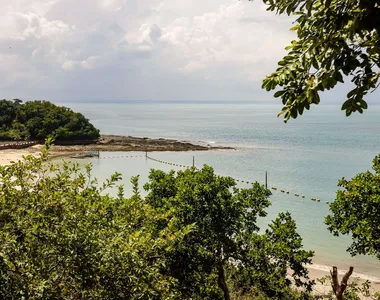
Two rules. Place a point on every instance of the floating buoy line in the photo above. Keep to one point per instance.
(122, 156)
(274, 188)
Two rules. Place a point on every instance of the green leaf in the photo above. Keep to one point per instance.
(330, 43)
(279, 94)
(363, 104)
(346, 104)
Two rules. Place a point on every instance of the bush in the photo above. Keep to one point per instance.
(62, 237)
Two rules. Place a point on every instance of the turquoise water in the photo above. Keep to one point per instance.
(305, 156)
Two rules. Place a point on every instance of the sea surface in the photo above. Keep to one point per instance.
(306, 156)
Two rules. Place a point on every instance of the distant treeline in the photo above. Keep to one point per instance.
(38, 120)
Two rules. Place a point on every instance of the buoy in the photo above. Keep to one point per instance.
(318, 200)
(327, 202)
(247, 182)
(303, 196)
(287, 192)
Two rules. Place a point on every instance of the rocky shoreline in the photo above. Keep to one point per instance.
(108, 143)
(130, 143)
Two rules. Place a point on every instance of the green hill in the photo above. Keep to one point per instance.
(37, 120)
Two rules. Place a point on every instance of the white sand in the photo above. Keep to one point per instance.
(6, 156)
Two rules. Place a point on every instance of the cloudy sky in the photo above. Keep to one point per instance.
(138, 49)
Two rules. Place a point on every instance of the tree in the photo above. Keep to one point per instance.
(225, 236)
(336, 39)
(356, 211)
(7, 113)
(42, 119)
(63, 237)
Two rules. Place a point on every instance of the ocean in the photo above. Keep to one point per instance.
(306, 156)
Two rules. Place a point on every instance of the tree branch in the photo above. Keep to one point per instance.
(340, 288)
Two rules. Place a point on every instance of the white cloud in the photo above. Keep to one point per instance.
(112, 5)
(68, 65)
(202, 46)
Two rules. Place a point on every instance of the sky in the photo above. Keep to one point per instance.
(94, 50)
(115, 50)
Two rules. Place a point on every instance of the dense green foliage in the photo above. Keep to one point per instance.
(193, 237)
(62, 238)
(225, 236)
(356, 211)
(335, 39)
(42, 119)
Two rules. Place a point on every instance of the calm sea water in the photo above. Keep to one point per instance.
(306, 156)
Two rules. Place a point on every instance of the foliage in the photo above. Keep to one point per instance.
(42, 119)
(257, 294)
(275, 253)
(63, 237)
(356, 211)
(335, 39)
(224, 244)
(354, 291)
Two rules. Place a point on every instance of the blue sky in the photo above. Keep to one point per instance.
(84, 50)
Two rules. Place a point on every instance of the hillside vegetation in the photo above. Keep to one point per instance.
(38, 120)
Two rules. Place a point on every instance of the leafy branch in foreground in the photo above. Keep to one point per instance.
(61, 238)
(335, 39)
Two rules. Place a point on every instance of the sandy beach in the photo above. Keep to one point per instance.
(6, 156)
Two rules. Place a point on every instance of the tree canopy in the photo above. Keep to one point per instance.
(39, 120)
(194, 236)
(225, 242)
(356, 211)
(63, 237)
(335, 39)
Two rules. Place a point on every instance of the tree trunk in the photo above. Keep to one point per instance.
(340, 288)
(222, 282)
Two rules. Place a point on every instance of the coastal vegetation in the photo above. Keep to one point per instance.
(194, 236)
(335, 39)
(38, 120)
(356, 211)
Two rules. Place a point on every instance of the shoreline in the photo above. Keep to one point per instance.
(109, 143)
